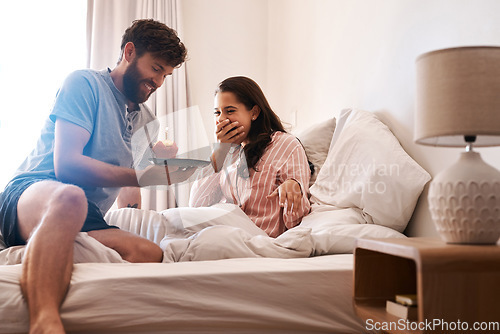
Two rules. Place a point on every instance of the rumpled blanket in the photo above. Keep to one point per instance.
(224, 231)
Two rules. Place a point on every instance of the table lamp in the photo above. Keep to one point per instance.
(458, 105)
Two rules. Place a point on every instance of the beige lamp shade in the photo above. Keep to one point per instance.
(458, 94)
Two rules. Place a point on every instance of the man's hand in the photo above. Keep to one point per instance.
(163, 175)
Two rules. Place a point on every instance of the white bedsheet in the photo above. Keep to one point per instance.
(231, 276)
(251, 295)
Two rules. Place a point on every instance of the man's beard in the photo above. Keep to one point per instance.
(133, 84)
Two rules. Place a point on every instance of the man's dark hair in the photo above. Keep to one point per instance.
(155, 37)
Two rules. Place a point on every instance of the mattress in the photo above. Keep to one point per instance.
(248, 295)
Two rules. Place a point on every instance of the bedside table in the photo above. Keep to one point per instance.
(453, 283)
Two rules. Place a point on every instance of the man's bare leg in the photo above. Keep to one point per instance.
(131, 247)
(129, 197)
(50, 214)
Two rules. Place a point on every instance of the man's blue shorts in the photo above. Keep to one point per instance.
(8, 212)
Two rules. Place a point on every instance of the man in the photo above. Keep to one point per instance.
(83, 157)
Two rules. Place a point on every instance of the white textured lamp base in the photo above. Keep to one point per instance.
(464, 201)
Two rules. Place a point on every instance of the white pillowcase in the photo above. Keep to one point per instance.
(335, 230)
(316, 141)
(367, 168)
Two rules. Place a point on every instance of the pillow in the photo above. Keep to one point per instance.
(367, 168)
(316, 141)
(335, 230)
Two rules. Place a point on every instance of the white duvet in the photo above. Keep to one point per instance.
(224, 231)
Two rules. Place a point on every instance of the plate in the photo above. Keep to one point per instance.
(184, 163)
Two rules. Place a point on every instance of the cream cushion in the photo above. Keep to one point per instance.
(367, 168)
(316, 141)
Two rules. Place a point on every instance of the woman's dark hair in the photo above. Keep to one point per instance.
(155, 37)
(249, 94)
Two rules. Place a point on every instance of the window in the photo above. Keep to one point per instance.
(42, 42)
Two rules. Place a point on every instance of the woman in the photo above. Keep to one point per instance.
(256, 164)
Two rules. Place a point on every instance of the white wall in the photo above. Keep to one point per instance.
(224, 38)
(317, 57)
(356, 53)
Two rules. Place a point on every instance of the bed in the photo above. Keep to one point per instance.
(222, 274)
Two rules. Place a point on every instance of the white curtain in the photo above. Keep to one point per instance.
(106, 23)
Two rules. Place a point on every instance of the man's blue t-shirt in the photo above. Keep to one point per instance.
(90, 99)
